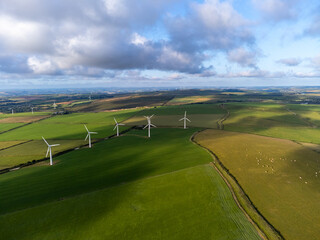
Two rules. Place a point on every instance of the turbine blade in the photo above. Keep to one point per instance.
(87, 137)
(86, 127)
(181, 119)
(146, 126)
(45, 141)
(153, 125)
(54, 145)
(151, 115)
(115, 120)
(145, 116)
(115, 127)
(188, 120)
(48, 151)
(121, 124)
(93, 133)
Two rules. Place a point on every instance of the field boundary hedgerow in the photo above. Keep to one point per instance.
(225, 117)
(265, 229)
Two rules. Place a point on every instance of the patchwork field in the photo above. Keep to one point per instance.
(273, 120)
(280, 177)
(147, 188)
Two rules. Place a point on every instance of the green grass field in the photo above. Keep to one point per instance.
(280, 177)
(147, 188)
(169, 206)
(24, 114)
(8, 126)
(69, 126)
(201, 115)
(33, 150)
(197, 120)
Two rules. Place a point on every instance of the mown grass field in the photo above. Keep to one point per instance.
(125, 187)
(69, 126)
(280, 177)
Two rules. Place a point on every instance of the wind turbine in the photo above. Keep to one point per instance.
(11, 110)
(185, 119)
(32, 109)
(89, 135)
(54, 105)
(117, 126)
(49, 149)
(149, 125)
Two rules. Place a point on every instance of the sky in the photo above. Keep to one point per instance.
(159, 43)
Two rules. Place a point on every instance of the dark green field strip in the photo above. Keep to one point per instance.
(193, 203)
(108, 163)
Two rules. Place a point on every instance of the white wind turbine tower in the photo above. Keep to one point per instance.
(149, 125)
(185, 119)
(54, 105)
(89, 135)
(49, 149)
(11, 110)
(117, 126)
(32, 109)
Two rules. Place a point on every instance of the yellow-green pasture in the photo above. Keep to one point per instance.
(6, 144)
(190, 99)
(281, 177)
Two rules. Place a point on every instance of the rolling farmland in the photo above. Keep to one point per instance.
(285, 177)
(137, 187)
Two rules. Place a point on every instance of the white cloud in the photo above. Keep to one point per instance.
(243, 57)
(276, 10)
(291, 62)
(41, 66)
